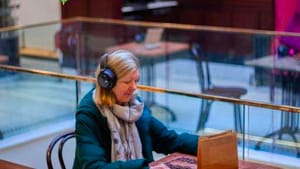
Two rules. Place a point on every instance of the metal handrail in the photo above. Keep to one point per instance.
(156, 89)
(155, 24)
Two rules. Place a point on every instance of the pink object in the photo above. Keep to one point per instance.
(292, 26)
(284, 11)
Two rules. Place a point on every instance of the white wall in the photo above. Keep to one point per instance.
(37, 11)
(33, 12)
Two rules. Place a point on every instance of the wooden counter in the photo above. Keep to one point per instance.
(10, 165)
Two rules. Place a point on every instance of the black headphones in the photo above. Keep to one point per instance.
(107, 78)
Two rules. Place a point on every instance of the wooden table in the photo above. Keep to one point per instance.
(165, 48)
(271, 62)
(180, 160)
(10, 165)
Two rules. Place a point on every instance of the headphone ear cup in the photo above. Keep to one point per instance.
(107, 79)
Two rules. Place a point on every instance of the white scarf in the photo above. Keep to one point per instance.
(125, 138)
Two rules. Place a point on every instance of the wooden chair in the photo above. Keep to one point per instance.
(207, 88)
(60, 142)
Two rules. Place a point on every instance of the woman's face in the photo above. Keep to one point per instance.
(126, 86)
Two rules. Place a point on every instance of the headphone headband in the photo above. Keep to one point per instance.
(104, 60)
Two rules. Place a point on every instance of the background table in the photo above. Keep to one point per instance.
(271, 62)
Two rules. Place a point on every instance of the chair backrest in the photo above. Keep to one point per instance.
(60, 142)
(202, 66)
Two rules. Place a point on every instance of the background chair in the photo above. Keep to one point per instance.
(207, 88)
(60, 142)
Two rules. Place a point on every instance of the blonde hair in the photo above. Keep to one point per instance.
(121, 62)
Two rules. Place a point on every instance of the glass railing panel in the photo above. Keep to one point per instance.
(271, 136)
(33, 105)
(225, 51)
(97, 39)
(219, 62)
(78, 45)
(38, 47)
(186, 113)
(177, 112)
(41, 37)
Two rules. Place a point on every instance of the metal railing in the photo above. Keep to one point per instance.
(156, 89)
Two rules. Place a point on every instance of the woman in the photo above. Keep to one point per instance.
(114, 128)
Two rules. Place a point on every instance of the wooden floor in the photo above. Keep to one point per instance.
(39, 53)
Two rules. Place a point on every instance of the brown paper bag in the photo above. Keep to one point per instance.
(218, 151)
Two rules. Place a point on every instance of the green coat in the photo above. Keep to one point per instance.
(93, 141)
